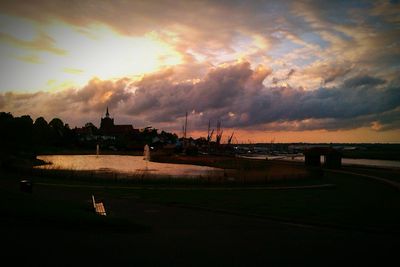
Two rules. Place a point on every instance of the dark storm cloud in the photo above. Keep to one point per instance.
(214, 95)
(363, 81)
(232, 93)
(228, 93)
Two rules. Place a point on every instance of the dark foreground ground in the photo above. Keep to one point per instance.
(355, 222)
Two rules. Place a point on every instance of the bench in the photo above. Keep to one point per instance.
(98, 207)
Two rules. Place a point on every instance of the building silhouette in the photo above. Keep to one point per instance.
(107, 127)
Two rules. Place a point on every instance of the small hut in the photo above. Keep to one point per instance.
(332, 157)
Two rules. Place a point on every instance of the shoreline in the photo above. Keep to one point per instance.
(235, 171)
(211, 160)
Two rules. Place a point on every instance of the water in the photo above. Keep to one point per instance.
(126, 164)
(372, 162)
(345, 161)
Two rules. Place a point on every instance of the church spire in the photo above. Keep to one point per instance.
(107, 114)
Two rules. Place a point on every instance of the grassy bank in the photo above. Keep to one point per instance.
(248, 170)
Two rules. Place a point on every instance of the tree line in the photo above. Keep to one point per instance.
(24, 134)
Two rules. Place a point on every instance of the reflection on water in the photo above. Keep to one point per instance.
(345, 161)
(372, 162)
(364, 162)
(125, 164)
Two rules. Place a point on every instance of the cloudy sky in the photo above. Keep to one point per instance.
(311, 71)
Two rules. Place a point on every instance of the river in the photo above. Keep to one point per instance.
(345, 161)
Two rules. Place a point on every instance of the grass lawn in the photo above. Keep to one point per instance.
(55, 208)
(146, 224)
(354, 202)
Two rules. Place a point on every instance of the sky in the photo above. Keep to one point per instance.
(282, 71)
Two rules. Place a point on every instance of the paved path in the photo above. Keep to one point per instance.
(221, 188)
(373, 177)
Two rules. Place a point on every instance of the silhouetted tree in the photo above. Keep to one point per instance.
(6, 130)
(15, 133)
(23, 127)
(56, 131)
(41, 132)
(69, 136)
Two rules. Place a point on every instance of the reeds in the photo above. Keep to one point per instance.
(230, 177)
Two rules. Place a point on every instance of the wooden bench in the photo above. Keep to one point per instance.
(98, 207)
